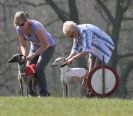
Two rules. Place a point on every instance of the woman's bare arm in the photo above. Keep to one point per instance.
(23, 45)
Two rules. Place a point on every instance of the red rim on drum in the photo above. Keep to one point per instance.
(95, 81)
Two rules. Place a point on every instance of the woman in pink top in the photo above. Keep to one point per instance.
(41, 49)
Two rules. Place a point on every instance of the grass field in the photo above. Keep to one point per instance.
(51, 106)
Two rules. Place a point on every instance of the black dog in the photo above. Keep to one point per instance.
(22, 76)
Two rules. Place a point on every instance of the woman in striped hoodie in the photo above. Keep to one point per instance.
(88, 39)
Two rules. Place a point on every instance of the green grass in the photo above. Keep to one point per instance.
(51, 106)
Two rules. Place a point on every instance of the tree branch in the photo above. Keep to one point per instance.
(22, 3)
(126, 5)
(60, 13)
(49, 23)
(125, 56)
(128, 18)
(106, 10)
(73, 11)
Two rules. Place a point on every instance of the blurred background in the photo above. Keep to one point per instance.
(114, 16)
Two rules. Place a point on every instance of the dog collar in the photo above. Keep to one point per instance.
(63, 65)
(22, 62)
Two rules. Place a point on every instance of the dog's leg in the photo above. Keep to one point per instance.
(20, 85)
(68, 89)
(83, 88)
(34, 85)
(31, 86)
(28, 85)
(27, 89)
(21, 88)
(65, 89)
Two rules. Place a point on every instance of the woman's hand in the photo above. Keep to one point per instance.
(30, 56)
(70, 60)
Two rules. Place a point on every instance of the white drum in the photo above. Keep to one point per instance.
(103, 81)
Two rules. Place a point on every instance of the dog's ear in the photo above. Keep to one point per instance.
(9, 60)
(15, 58)
(17, 55)
(21, 55)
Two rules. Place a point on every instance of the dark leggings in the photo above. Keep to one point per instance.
(41, 62)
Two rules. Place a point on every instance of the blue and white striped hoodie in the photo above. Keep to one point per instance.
(95, 41)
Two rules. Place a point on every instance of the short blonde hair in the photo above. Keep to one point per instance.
(69, 27)
(20, 17)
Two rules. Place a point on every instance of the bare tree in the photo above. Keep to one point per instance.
(71, 15)
(114, 18)
(116, 21)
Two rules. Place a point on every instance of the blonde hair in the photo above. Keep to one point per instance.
(69, 27)
(20, 17)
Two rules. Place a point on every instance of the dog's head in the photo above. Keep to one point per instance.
(17, 58)
(59, 61)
